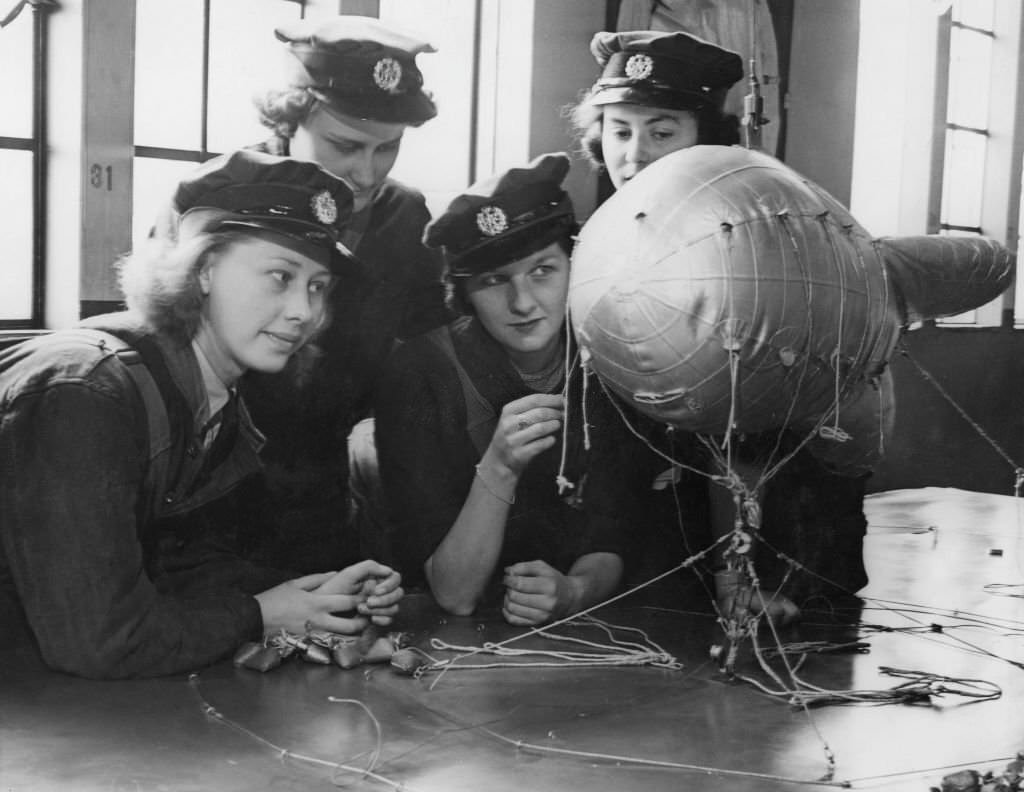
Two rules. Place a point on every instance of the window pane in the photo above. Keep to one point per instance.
(16, 235)
(976, 13)
(448, 73)
(16, 76)
(154, 183)
(970, 66)
(245, 60)
(168, 73)
(962, 181)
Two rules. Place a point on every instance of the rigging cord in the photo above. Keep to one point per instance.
(619, 653)
(620, 759)
(284, 753)
(921, 688)
(1018, 470)
(634, 760)
(801, 693)
(543, 629)
(930, 378)
(570, 361)
(1004, 589)
(918, 688)
(905, 610)
(805, 695)
(922, 685)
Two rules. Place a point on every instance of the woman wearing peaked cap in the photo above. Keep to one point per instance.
(122, 439)
(351, 89)
(657, 93)
(470, 419)
(662, 92)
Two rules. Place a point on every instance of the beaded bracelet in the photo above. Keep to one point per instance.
(487, 487)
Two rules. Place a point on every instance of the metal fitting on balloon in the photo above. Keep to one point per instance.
(752, 512)
(741, 542)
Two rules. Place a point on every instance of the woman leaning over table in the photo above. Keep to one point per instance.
(471, 420)
(658, 93)
(108, 553)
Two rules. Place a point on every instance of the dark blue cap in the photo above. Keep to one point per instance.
(505, 216)
(249, 189)
(672, 70)
(360, 67)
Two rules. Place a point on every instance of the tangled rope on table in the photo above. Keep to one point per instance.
(617, 652)
(922, 687)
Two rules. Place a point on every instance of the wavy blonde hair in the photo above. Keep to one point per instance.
(160, 281)
(283, 110)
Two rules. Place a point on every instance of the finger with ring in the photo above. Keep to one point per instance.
(522, 424)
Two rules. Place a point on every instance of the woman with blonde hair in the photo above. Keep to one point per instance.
(122, 440)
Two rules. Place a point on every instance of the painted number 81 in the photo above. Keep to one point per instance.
(101, 176)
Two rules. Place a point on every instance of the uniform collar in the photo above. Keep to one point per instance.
(182, 366)
(217, 393)
(183, 363)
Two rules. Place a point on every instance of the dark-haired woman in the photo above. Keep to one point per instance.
(471, 420)
(662, 92)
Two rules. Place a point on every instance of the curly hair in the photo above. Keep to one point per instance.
(282, 111)
(160, 282)
(714, 127)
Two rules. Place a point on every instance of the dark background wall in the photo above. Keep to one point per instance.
(982, 369)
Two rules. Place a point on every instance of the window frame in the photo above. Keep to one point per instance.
(897, 189)
(37, 144)
(85, 223)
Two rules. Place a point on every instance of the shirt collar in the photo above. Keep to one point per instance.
(217, 393)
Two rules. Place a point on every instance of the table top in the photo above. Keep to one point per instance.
(930, 606)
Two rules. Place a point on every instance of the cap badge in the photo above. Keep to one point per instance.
(325, 210)
(491, 220)
(639, 66)
(387, 74)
